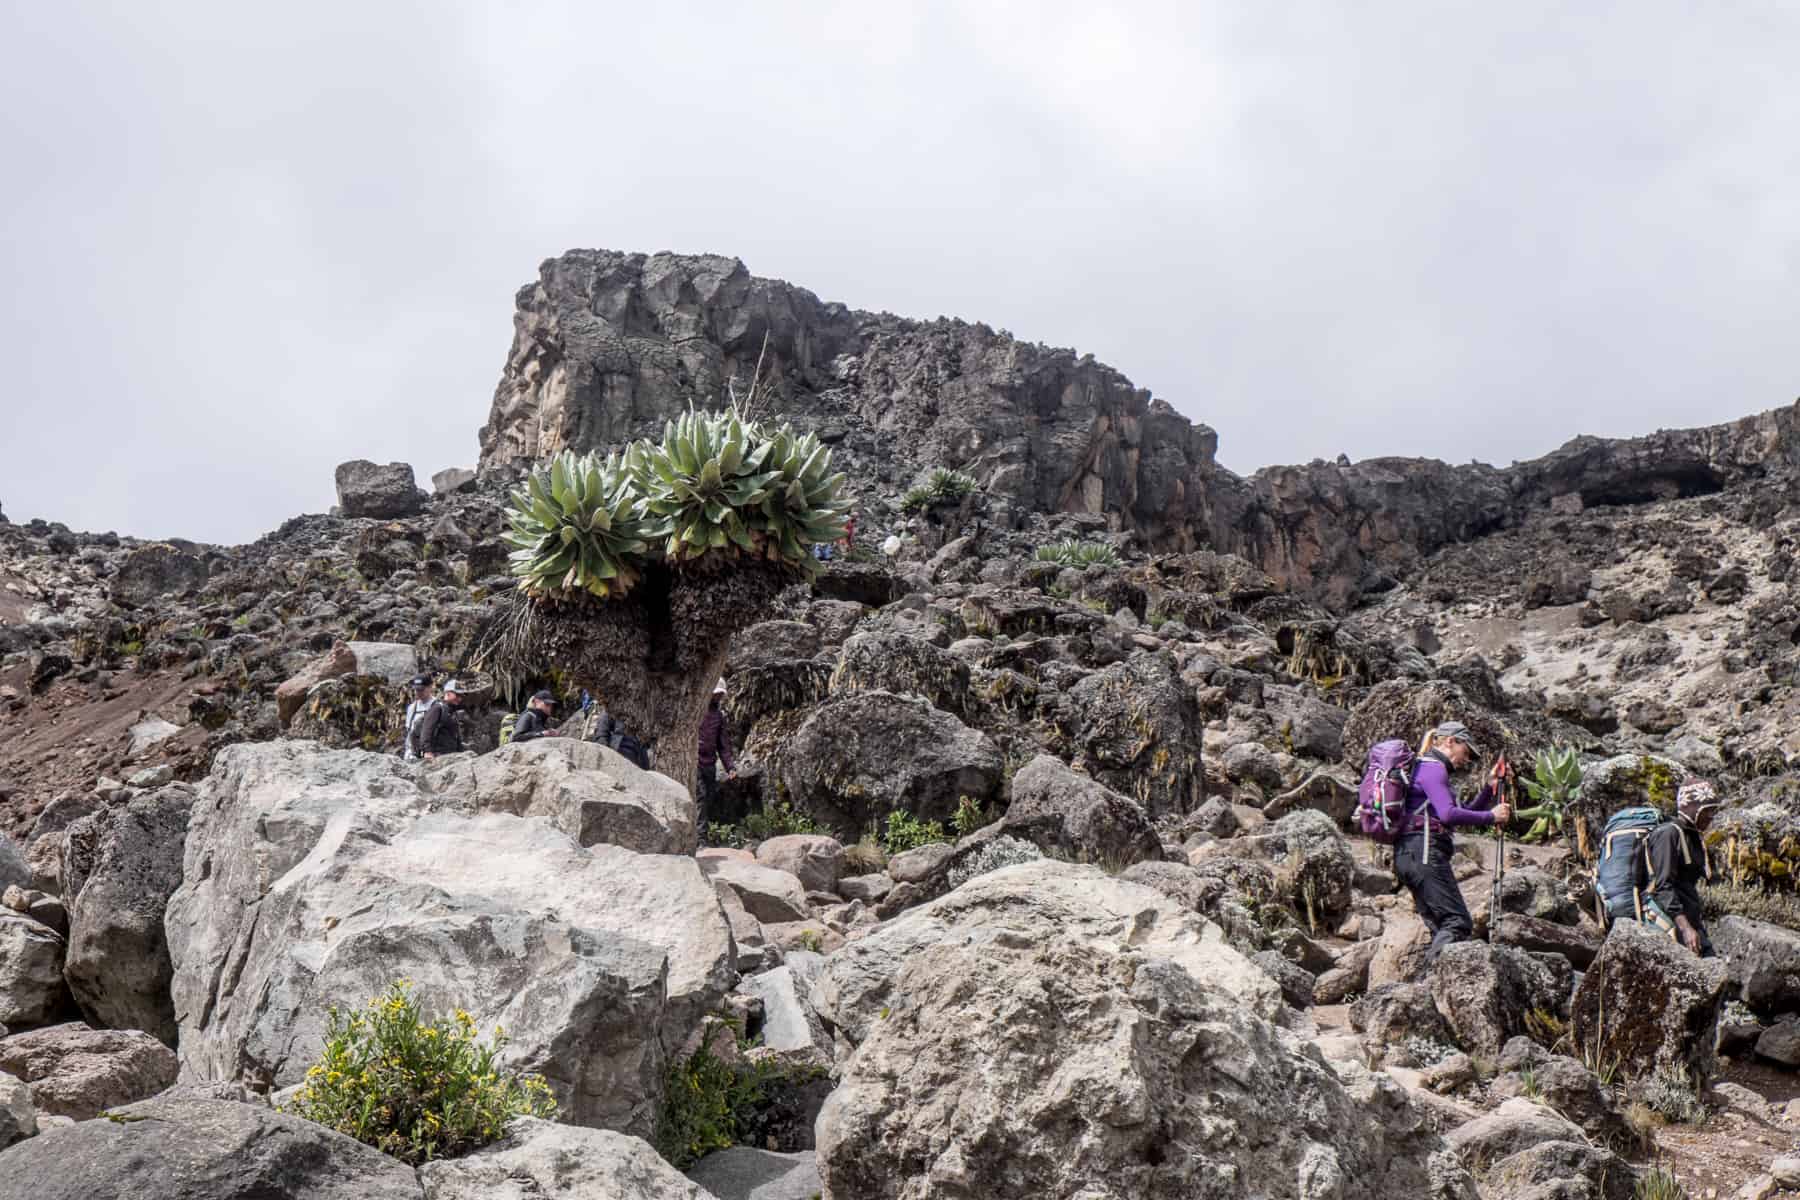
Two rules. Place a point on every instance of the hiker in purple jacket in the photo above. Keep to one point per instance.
(715, 747)
(1422, 854)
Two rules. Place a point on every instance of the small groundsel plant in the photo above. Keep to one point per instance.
(1672, 1095)
(416, 1088)
(968, 816)
(942, 486)
(1079, 555)
(1001, 852)
(1554, 787)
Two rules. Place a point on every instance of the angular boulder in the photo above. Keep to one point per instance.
(452, 479)
(75, 1071)
(201, 1150)
(1485, 993)
(320, 877)
(591, 792)
(1393, 1014)
(1577, 943)
(18, 1115)
(156, 570)
(32, 990)
(1647, 1002)
(547, 1161)
(772, 897)
(747, 1173)
(366, 489)
(1561, 1170)
(1136, 728)
(396, 662)
(1060, 811)
(863, 755)
(1045, 1030)
(120, 866)
(815, 860)
(1763, 961)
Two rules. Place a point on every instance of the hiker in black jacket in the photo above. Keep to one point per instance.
(1678, 862)
(439, 732)
(534, 722)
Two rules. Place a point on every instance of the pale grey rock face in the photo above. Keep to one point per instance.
(1048, 1030)
(316, 878)
(541, 1160)
(32, 990)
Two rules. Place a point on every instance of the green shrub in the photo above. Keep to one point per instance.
(906, 832)
(414, 1088)
(710, 1103)
(968, 818)
(1079, 555)
(782, 819)
(1555, 788)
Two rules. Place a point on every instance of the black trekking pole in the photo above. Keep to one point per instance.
(1501, 786)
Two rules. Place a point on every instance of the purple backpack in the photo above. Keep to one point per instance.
(1387, 780)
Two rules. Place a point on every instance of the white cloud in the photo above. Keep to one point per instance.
(245, 247)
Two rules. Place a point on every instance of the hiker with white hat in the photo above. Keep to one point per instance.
(715, 747)
(439, 732)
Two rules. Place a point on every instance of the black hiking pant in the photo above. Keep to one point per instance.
(1437, 897)
(707, 777)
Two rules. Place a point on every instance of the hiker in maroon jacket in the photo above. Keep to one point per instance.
(715, 747)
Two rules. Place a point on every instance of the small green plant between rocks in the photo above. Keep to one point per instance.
(1080, 555)
(415, 1088)
(905, 832)
(1672, 1095)
(711, 1102)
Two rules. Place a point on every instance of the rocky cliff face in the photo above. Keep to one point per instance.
(607, 346)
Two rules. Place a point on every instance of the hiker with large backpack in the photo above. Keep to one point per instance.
(1650, 870)
(1407, 802)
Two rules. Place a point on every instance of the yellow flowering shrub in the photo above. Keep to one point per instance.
(414, 1088)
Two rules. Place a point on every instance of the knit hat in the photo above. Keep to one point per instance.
(1695, 798)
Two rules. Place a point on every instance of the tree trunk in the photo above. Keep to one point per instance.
(653, 657)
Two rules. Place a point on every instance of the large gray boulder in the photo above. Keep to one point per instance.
(1046, 1030)
(32, 990)
(1058, 810)
(815, 860)
(18, 1115)
(863, 755)
(120, 866)
(1764, 963)
(154, 571)
(316, 878)
(78, 1072)
(201, 1150)
(547, 1161)
(1647, 1002)
(366, 489)
(1485, 993)
(589, 791)
(1135, 727)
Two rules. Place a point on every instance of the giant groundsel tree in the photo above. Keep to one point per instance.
(636, 568)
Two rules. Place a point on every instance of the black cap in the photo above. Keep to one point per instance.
(543, 694)
(420, 681)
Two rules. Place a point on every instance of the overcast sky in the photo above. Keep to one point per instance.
(244, 243)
